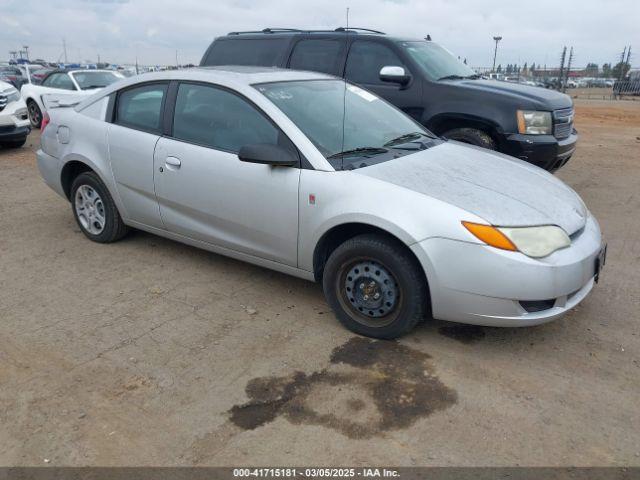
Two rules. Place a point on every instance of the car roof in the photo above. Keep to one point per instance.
(236, 76)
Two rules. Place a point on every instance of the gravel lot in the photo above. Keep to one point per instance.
(149, 352)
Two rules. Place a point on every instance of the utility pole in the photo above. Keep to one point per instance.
(566, 75)
(561, 72)
(177, 65)
(495, 52)
(64, 49)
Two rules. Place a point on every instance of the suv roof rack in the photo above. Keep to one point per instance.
(297, 30)
(358, 29)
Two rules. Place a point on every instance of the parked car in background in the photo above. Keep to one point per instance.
(424, 80)
(65, 83)
(36, 75)
(303, 173)
(12, 74)
(14, 122)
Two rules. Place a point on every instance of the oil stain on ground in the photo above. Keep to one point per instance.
(463, 333)
(371, 387)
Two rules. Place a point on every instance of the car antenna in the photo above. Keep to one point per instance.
(344, 96)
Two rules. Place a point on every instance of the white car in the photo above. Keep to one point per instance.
(65, 83)
(14, 122)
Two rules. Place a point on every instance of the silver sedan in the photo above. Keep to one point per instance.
(305, 174)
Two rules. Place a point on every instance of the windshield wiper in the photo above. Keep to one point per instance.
(452, 77)
(359, 150)
(405, 138)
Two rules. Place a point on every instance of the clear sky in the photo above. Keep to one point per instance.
(152, 30)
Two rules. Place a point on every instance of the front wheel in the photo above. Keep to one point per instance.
(472, 136)
(375, 286)
(35, 114)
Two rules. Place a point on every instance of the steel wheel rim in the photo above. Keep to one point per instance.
(90, 209)
(369, 291)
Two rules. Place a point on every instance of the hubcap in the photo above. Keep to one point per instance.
(371, 289)
(90, 209)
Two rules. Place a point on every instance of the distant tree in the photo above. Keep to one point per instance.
(533, 68)
(524, 68)
(591, 69)
(508, 69)
(606, 69)
(465, 61)
(620, 67)
(499, 69)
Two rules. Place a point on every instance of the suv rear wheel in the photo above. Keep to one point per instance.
(95, 211)
(375, 286)
(472, 136)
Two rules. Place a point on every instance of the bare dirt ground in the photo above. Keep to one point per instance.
(149, 352)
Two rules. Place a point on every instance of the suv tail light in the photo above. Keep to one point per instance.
(45, 121)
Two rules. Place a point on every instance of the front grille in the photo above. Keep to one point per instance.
(3, 102)
(563, 122)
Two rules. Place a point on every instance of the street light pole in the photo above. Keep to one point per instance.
(495, 52)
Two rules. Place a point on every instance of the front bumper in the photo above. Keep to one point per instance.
(478, 284)
(14, 121)
(544, 151)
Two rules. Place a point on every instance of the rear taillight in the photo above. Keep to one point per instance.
(45, 121)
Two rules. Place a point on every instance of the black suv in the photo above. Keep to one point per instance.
(423, 79)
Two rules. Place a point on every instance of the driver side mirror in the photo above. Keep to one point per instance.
(267, 154)
(395, 75)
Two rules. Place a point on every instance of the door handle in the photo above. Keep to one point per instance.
(173, 162)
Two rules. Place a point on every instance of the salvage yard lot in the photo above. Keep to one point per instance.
(150, 352)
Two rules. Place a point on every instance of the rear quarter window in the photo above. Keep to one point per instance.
(266, 52)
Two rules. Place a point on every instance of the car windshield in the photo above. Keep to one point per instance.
(437, 62)
(344, 121)
(89, 80)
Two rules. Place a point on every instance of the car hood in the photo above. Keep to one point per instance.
(502, 190)
(543, 97)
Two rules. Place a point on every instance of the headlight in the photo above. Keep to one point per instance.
(534, 242)
(534, 123)
(12, 94)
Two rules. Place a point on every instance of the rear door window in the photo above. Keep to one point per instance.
(366, 59)
(141, 107)
(317, 55)
(266, 52)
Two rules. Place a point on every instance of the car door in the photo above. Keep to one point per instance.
(364, 62)
(134, 131)
(206, 193)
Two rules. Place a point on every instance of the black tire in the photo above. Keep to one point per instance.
(114, 228)
(410, 293)
(35, 114)
(472, 136)
(13, 143)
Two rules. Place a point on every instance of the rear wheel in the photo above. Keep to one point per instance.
(472, 136)
(375, 286)
(35, 114)
(95, 211)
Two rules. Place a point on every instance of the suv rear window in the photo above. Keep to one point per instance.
(266, 52)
